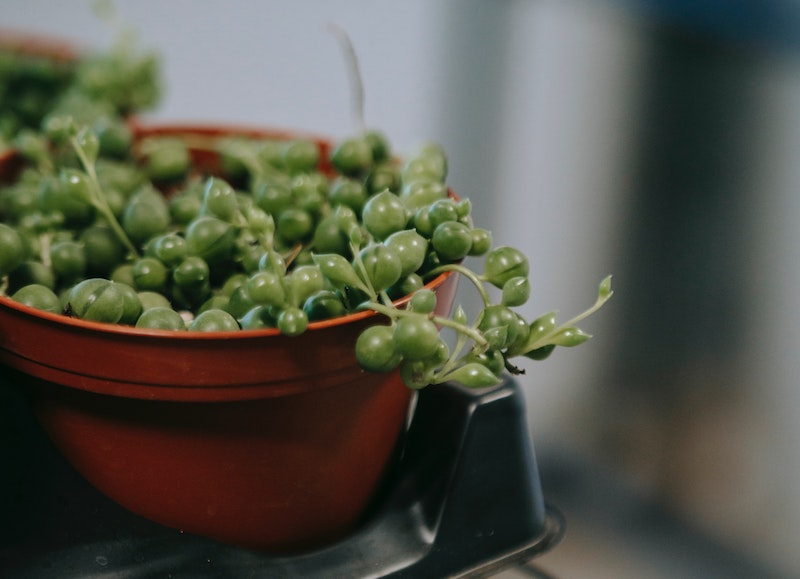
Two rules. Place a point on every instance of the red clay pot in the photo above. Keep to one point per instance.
(33, 43)
(252, 438)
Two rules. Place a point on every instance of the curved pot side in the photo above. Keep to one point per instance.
(277, 469)
(277, 474)
(198, 366)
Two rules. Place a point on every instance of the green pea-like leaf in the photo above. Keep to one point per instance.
(59, 128)
(237, 154)
(464, 208)
(423, 301)
(569, 337)
(516, 291)
(345, 216)
(604, 291)
(503, 263)
(354, 234)
(339, 270)
(275, 262)
(347, 221)
(88, 142)
(77, 185)
(542, 326)
(259, 221)
(497, 337)
(473, 375)
(540, 353)
(460, 316)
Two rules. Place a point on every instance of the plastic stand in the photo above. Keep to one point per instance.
(464, 500)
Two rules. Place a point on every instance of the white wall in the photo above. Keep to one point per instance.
(570, 107)
(772, 368)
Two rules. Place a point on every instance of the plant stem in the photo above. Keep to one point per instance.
(99, 200)
(468, 331)
(545, 339)
(389, 311)
(362, 271)
(441, 375)
(469, 274)
(597, 305)
(393, 313)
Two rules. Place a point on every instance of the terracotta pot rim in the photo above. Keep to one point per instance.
(38, 43)
(142, 125)
(187, 336)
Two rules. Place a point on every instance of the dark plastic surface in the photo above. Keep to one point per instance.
(464, 500)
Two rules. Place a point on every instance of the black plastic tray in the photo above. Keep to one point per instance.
(464, 500)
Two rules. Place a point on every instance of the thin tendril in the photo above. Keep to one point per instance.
(354, 70)
(469, 274)
(99, 200)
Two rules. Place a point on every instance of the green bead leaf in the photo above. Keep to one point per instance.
(473, 375)
(604, 291)
(416, 374)
(354, 234)
(569, 337)
(423, 301)
(464, 208)
(497, 337)
(345, 217)
(59, 128)
(540, 353)
(460, 316)
(77, 185)
(542, 326)
(503, 263)
(339, 271)
(274, 262)
(88, 142)
(260, 222)
(292, 321)
(516, 291)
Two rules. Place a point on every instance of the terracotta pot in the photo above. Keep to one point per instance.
(252, 438)
(35, 44)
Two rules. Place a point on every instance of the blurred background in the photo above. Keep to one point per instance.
(656, 141)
